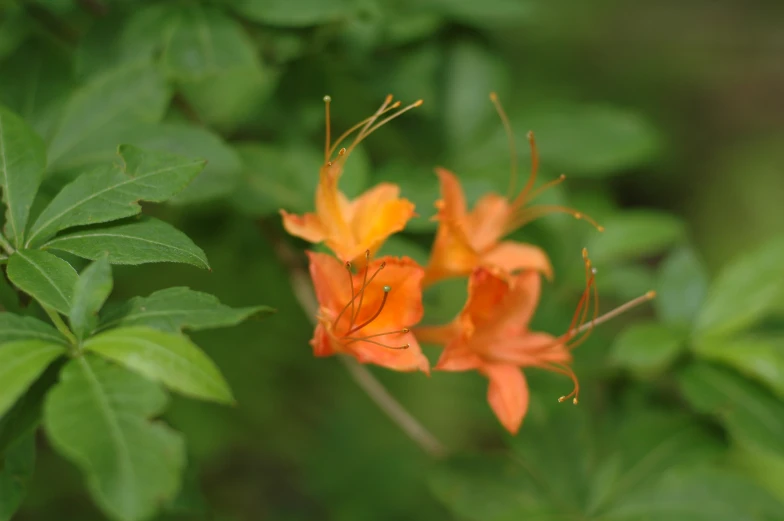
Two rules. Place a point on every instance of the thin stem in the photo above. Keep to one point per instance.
(61, 327)
(615, 312)
(6, 245)
(364, 378)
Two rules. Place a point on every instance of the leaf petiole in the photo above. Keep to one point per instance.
(62, 328)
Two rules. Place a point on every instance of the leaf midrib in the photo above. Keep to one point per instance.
(6, 192)
(46, 276)
(121, 236)
(132, 179)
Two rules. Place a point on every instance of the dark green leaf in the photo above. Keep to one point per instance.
(169, 358)
(648, 347)
(681, 287)
(48, 279)
(22, 163)
(91, 291)
(15, 327)
(204, 41)
(135, 92)
(488, 13)
(21, 362)
(175, 309)
(744, 292)
(750, 413)
(16, 469)
(634, 234)
(148, 240)
(757, 356)
(293, 13)
(98, 416)
(112, 193)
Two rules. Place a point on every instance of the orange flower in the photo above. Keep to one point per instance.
(370, 317)
(349, 228)
(466, 239)
(491, 335)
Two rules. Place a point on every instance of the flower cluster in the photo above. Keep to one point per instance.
(369, 307)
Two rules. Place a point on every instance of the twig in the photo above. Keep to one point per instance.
(300, 283)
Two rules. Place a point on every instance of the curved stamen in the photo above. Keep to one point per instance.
(359, 294)
(387, 289)
(385, 121)
(539, 191)
(567, 371)
(327, 101)
(510, 141)
(523, 196)
(364, 285)
(406, 346)
(369, 338)
(365, 122)
(524, 216)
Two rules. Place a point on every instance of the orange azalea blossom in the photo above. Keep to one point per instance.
(350, 227)
(465, 240)
(491, 335)
(368, 314)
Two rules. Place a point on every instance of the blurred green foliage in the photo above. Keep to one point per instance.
(666, 118)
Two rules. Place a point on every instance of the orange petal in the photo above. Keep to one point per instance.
(512, 256)
(321, 342)
(456, 356)
(507, 394)
(452, 206)
(438, 335)
(487, 291)
(451, 255)
(330, 280)
(486, 223)
(403, 307)
(410, 359)
(531, 349)
(377, 214)
(307, 226)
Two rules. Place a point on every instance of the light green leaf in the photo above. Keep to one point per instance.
(765, 468)
(15, 327)
(16, 470)
(48, 279)
(648, 347)
(757, 356)
(219, 177)
(294, 13)
(636, 233)
(681, 287)
(286, 178)
(751, 414)
(22, 163)
(91, 291)
(169, 358)
(21, 362)
(98, 417)
(148, 240)
(112, 193)
(204, 41)
(132, 92)
(175, 309)
(744, 292)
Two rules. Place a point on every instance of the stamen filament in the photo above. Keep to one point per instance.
(327, 101)
(536, 193)
(522, 197)
(384, 109)
(387, 120)
(566, 371)
(375, 315)
(511, 143)
(364, 285)
(406, 346)
(527, 215)
(359, 294)
(399, 331)
(623, 308)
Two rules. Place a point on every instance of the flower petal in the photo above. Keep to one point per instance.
(456, 356)
(487, 221)
(531, 349)
(451, 255)
(321, 342)
(403, 306)
(507, 394)
(487, 292)
(512, 256)
(377, 214)
(307, 226)
(410, 359)
(452, 206)
(330, 280)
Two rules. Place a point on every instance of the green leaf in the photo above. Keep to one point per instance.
(169, 358)
(293, 13)
(21, 362)
(765, 468)
(756, 356)
(648, 347)
(286, 177)
(488, 13)
(588, 140)
(175, 309)
(48, 279)
(748, 411)
(148, 240)
(681, 287)
(112, 193)
(133, 92)
(22, 163)
(204, 41)
(637, 233)
(16, 471)
(744, 292)
(98, 417)
(91, 291)
(15, 327)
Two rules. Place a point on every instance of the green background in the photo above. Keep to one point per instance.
(665, 116)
